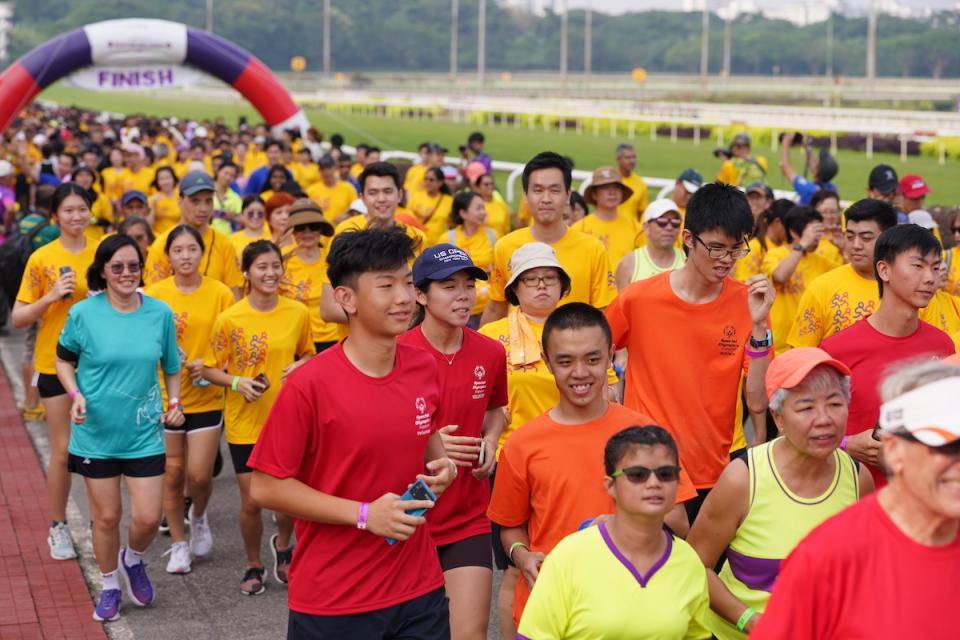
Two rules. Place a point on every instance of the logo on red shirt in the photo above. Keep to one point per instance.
(421, 405)
(479, 371)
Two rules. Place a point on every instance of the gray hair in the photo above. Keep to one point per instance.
(622, 147)
(913, 375)
(822, 376)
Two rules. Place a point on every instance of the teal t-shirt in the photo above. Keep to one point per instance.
(117, 362)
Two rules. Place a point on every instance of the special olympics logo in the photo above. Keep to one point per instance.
(421, 405)
(479, 371)
(729, 331)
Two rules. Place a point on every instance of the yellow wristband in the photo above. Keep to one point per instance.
(236, 381)
(745, 618)
(513, 548)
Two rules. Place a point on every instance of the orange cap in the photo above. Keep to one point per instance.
(789, 370)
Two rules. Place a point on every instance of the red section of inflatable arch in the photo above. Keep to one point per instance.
(15, 81)
(258, 85)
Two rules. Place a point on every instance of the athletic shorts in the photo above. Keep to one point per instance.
(424, 618)
(48, 385)
(469, 552)
(113, 467)
(240, 453)
(196, 422)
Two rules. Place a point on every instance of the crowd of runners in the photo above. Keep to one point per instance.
(710, 414)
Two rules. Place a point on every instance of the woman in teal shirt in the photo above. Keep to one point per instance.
(107, 360)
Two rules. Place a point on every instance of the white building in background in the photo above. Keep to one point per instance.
(6, 22)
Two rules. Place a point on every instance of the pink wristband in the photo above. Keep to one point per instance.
(843, 443)
(73, 394)
(756, 354)
(362, 516)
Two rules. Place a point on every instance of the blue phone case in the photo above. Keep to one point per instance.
(421, 488)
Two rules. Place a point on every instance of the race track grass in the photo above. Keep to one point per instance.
(659, 158)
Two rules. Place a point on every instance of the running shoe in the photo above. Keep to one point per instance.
(201, 540)
(179, 561)
(164, 526)
(252, 584)
(33, 413)
(187, 503)
(138, 584)
(108, 609)
(61, 546)
(281, 560)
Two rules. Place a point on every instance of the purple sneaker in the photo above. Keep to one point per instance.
(138, 584)
(108, 609)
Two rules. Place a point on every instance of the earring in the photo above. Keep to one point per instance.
(245, 275)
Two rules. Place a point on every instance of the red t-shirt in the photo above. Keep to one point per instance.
(474, 381)
(349, 435)
(857, 576)
(870, 355)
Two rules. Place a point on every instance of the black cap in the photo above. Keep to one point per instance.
(883, 178)
(827, 167)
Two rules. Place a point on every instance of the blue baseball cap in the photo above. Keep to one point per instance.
(133, 195)
(195, 182)
(442, 261)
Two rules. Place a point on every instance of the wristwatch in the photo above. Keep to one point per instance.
(766, 343)
(799, 247)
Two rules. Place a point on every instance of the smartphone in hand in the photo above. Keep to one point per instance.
(417, 491)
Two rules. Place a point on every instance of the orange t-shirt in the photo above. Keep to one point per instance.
(550, 476)
(685, 365)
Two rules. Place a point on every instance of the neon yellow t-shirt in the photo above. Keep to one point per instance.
(219, 259)
(246, 343)
(582, 257)
(588, 589)
(787, 300)
(637, 203)
(333, 201)
(194, 314)
(619, 236)
(39, 277)
(304, 283)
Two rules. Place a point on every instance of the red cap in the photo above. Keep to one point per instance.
(913, 186)
(788, 370)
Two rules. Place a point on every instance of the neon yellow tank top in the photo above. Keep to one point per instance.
(777, 520)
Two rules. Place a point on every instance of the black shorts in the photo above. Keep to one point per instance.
(469, 552)
(240, 453)
(48, 385)
(425, 618)
(323, 346)
(196, 422)
(113, 467)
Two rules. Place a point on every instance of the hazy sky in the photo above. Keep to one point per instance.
(620, 6)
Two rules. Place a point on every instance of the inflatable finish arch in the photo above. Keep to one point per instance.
(143, 41)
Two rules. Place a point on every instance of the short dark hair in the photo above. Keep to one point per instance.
(476, 136)
(354, 253)
(362, 145)
(461, 202)
(66, 190)
(576, 198)
(548, 160)
(823, 194)
(870, 209)
(380, 170)
(105, 250)
(575, 315)
(510, 292)
(249, 199)
(622, 442)
(372, 149)
(717, 206)
(179, 230)
(132, 221)
(273, 143)
(336, 140)
(256, 249)
(797, 219)
(901, 238)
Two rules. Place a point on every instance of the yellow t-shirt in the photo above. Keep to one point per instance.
(305, 174)
(479, 247)
(304, 283)
(246, 342)
(788, 296)
(112, 185)
(637, 203)
(498, 216)
(101, 209)
(953, 274)
(433, 212)
(253, 161)
(943, 312)
(413, 180)
(582, 257)
(39, 277)
(194, 314)
(619, 236)
(356, 170)
(358, 223)
(831, 303)
(749, 266)
(166, 211)
(240, 240)
(139, 181)
(333, 201)
(830, 252)
(219, 260)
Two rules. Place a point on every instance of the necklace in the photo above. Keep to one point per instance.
(451, 358)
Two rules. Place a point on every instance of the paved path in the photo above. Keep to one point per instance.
(52, 599)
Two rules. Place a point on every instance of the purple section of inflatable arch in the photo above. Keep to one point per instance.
(215, 55)
(57, 58)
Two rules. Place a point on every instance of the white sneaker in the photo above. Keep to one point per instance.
(201, 540)
(61, 546)
(179, 561)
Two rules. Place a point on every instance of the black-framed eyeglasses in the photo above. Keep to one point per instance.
(664, 222)
(116, 268)
(718, 253)
(534, 281)
(950, 449)
(310, 226)
(639, 474)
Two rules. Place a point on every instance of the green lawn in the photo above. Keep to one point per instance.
(659, 158)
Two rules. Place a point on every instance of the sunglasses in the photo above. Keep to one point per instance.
(254, 213)
(310, 226)
(116, 268)
(639, 475)
(664, 222)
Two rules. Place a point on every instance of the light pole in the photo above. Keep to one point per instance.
(872, 43)
(587, 42)
(454, 20)
(326, 39)
(705, 44)
(481, 41)
(564, 32)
